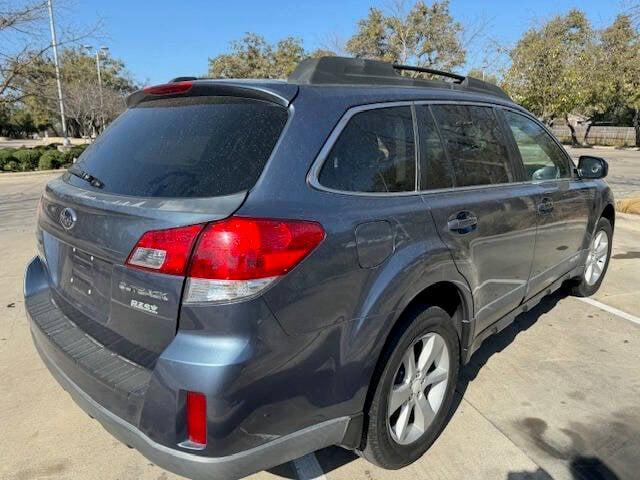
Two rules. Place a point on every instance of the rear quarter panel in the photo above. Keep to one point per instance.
(340, 311)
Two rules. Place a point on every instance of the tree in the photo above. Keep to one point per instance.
(322, 52)
(20, 25)
(425, 35)
(253, 57)
(286, 56)
(618, 72)
(249, 57)
(26, 69)
(84, 111)
(548, 66)
(24, 40)
(371, 39)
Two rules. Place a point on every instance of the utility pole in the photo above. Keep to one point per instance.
(54, 45)
(99, 51)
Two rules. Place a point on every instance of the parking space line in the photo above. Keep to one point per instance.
(308, 468)
(607, 308)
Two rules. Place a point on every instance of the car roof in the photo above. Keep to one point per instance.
(351, 82)
(356, 94)
(366, 94)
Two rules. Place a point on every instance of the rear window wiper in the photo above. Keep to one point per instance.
(87, 177)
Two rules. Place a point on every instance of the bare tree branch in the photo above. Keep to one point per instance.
(24, 38)
(22, 17)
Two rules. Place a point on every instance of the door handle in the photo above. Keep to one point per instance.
(462, 222)
(545, 207)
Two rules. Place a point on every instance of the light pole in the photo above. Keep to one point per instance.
(54, 45)
(99, 51)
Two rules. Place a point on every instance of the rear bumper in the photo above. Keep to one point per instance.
(126, 400)
(193, 466)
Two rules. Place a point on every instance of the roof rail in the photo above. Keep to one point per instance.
(360, 71)
(440, 73)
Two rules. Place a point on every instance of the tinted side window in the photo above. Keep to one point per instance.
(374, 153)
(542, 158)
(475, 144)
(435, 168)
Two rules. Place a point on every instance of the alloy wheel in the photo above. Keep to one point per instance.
(597, 258)
(418, 389)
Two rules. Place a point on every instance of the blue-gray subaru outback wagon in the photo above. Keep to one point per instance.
(237, 273)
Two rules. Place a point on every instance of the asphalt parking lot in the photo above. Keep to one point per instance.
(555, 395)
(624, 171)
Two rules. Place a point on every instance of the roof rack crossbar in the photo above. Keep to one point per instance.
(432, 71)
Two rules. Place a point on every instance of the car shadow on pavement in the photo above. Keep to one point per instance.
(581, 468)
(498, 342)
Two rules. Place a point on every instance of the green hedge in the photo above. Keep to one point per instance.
(73, 152)
(50, 159)
(42, 157)
(11, 166)
(27, 158)
(6, 156)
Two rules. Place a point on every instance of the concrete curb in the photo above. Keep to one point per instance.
(9, 175)
(603, 147)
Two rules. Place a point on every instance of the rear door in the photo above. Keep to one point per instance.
(374, 217)
(471, 185)
(563, 202)
(166, 163)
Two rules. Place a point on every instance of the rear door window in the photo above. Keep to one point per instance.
(184, 147)
(435, 169)
(541, 156)
(374, 153)
(475, 144)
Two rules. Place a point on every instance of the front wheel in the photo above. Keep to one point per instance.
(415, 389)
(597, 261)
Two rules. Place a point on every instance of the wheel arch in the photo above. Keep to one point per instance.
(448, 295)
(609, 212)
(444, 294)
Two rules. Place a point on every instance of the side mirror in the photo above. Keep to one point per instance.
(592, 167)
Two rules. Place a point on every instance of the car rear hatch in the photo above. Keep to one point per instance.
(174, 158)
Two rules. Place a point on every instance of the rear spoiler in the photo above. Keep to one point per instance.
(276, 92)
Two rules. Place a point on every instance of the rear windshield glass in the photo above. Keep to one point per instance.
(184, 147)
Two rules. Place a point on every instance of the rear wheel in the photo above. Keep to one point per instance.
(597, 261)
(415, 389)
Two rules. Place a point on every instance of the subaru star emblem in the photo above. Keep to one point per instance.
(68, 218)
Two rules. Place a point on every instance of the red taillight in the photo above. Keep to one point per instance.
(165, 251)
(232, 259)
(169, 88)
(250, 248)
(197, 418)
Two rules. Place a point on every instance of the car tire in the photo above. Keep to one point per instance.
(586, 285)
(426, 327)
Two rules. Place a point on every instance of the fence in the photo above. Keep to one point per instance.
(614, 136)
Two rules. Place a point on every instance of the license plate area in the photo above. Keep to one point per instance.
(82, 272)
(85, 281)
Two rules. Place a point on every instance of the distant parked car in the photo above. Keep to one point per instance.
(237, 273)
